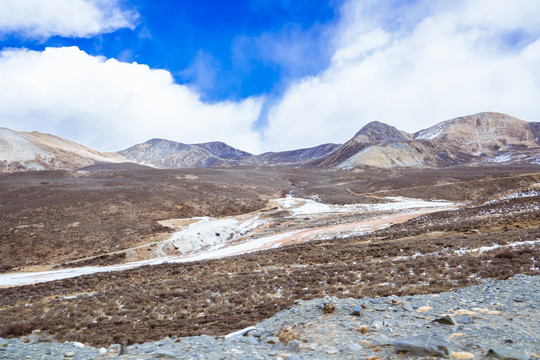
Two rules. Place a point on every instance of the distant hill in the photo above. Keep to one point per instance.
(292, 157)
(23, 151)
(481, 138)
(166, 154)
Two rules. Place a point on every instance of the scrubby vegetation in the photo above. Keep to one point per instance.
(433, 253)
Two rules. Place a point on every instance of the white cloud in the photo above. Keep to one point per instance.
(111, 105)
(69, 18)
(414, 66)
(410, 66)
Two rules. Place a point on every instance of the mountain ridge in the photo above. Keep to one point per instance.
(473, 139)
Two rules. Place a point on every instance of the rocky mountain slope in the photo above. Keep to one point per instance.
(20, 151)
(292, 157)
(479, 138)
(166, 154)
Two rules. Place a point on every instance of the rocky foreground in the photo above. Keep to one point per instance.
(497, 319)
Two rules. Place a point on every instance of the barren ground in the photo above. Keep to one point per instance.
(54, 217)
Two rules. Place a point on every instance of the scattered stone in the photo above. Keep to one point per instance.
(123, 348)
(363, 329)
(462, 355)
(251, 340)
(425, 344)
(272, 340)
(294, 357)
(382, 341)
(424, 308)
(69, 354)
(356, 311)
(377, 324)
(392, 299)
(407, 307)
(508, 354)
(354, 347)
(380, 307)
(446, 320)
(25, 339)
(34, 337)
(518, 299)
(327, 308)
(278, 347)
(294, 346)
(312, 335)
(463, 319)
(165, 354)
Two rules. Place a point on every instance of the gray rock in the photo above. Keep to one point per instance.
(250, 340)
(382, 340)
(407, 307)
(272, 340)
(278, 346)
(377, 324)
(123, 348)
(463, 319)
(294, 357)
(354, 347)
(165, 354)
(294, 346)
(446, 320)
(380, 307)
(508, 354)
(425, 344)
(356, 311)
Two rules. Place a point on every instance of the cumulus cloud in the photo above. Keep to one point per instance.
(111, 105)
(69, 18)
(414, 65)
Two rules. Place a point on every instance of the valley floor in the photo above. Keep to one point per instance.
(496, 235)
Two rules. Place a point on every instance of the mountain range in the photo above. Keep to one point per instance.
(481, 138)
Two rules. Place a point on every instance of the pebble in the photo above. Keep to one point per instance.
(338, 335)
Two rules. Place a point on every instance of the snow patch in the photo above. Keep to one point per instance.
(303, 207)
(431, 133)
(207, 232)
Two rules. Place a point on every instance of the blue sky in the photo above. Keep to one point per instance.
(261, 75)
(200, 42)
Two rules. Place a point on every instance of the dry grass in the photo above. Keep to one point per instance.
(219, 296)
